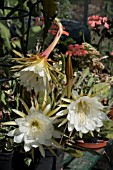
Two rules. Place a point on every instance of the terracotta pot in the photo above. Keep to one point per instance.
(95, 146)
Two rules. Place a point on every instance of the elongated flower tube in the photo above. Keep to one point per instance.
(34, 72)
(56, 39)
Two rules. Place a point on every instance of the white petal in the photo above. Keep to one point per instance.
(42, 151)
(27, 141)
(84, 114)
(11, 133)
(74, 93)
(72, 118)
(34, 130)
(27, 147)
(56, 134)
(34, 145)
(41, 73)
(20, 121)
(84, 130)
(70, 127)
(32, 109)
(29, 68)
(48, 142)
(19, 138)
(17, 132)
(41, 140)
(23, 128)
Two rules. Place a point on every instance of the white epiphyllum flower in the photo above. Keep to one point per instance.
(36, 76)
(85, 114)
(35, 130)
(34, 72)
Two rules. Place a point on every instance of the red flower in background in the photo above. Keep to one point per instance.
(111, 53)
(76, 50)
(96, 20)
(106, 25)
(54, 29)
(39, 21)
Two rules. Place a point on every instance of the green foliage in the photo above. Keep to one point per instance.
(64, 9)
(50, 11)
(84, 74)
(107, 130)
(108, 8)
(73, 152)
(101, 89)
(14, 97)
(34, 35)
(5, 35)
(28, 161)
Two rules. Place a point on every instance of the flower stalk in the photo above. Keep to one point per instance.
(69, 75)
(47, 52)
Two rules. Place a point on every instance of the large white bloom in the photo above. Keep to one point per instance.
(35, 130)
(85, 114)
(36, 72)
(35, 76)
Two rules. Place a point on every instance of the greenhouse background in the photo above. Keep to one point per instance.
(80, 52)
(80, 10)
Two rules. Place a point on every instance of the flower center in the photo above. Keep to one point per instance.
(35, 124)
(83, 110)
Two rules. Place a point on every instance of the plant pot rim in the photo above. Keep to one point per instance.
(98, 145)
